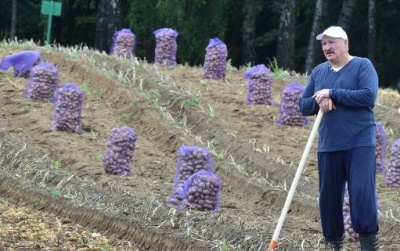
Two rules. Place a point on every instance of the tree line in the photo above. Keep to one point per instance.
(255, 31)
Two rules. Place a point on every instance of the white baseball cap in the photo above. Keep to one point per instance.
(333, 31)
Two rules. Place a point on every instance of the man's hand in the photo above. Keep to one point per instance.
(320, 95)
(326, 105)
(322, 98)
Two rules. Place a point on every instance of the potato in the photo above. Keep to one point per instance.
(43, 82)
(166, 47)
(190, 161)
(392, 174)
(197, 191)
(124, 43)
(215, 60)
(119, 152)
(68, 109)
(289, 111)
(259, 89)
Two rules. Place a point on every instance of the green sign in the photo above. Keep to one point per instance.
(51, 9)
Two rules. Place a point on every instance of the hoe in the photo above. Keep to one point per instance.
(274, 242)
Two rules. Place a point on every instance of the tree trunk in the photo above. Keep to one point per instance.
(346, 14)
(251, 10)
(108, 22)
(286, 37)
(13, 19)
(68, 21)
(371, 30)
(320, 7)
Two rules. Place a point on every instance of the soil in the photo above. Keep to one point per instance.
(60, 175)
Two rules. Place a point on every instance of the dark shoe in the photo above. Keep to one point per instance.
(334, 245)
(369, 243)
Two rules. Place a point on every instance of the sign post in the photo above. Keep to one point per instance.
(51, 9)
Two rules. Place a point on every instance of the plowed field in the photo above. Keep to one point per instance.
(62, 174)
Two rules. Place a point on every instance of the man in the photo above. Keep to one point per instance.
(345, 88)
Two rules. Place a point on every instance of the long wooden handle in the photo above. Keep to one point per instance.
(274, 242)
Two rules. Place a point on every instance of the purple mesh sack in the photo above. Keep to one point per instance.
(68, 109)
(191, 159)
(22, 62)
(392, 174)
(43, 82)
(120, 149)
(201, 191)
(289, 110)
(124, 43)
(215, 59)
(166, 47)
(259, 88)
(381, 143)
(348, 227)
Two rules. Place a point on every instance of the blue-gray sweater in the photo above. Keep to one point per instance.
(354, 90)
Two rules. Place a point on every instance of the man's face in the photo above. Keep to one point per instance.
(334, 48)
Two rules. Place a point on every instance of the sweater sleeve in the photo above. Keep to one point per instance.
(307, 104)
(367, 93)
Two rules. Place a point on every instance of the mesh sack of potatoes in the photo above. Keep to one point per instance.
(43, 82)
(166, 47)
(201, 191)
(191, 159)
(67, 115)
(120, 148)
(392, 174)
(289, 110)
(381, 144)
(348, 227)
(123, 43)
(259, 87)
(215, 59)
(22, 62)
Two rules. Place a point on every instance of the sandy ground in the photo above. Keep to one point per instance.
(62, 172)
